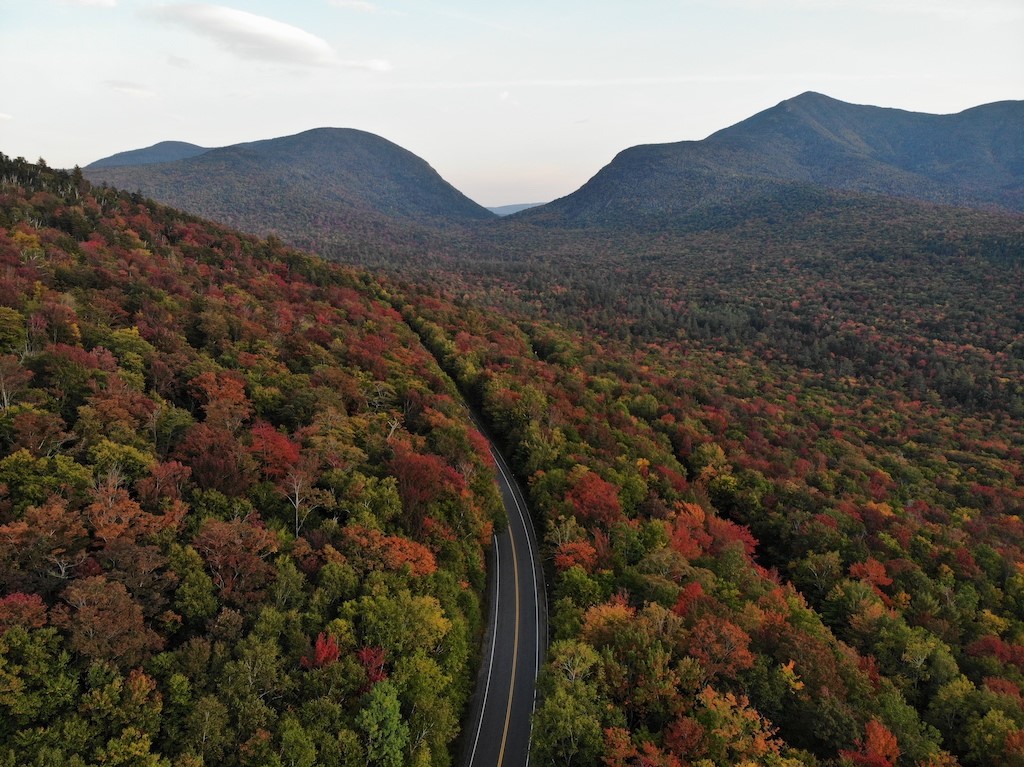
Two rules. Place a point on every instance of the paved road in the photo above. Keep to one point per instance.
(500, 722)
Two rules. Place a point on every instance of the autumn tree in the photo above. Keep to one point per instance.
(721, 646)
(105, 623)
(14, 379)
(236, 554)
(878, 748)
(45, 545)
(593, 499)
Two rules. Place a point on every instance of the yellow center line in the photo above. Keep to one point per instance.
(515, 647)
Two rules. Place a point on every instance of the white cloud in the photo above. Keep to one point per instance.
(5, 116)
(92, 3)
(129, 88)
(980, 11)
(373, 65)
(355, 5)
(179, 62)
(250, 36)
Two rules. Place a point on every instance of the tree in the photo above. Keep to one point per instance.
(105, 623)
(48, 543)
(224, 401)
(370, 549)
(236, 554)
(194, 597)
(325, 652)
(207, 728)
(576, 553)
(427, 698)
(13, 379)
(32, 481)
(298, 488)
(877, 749)
(254, 682)
(40, 432)
(114, 514)
(276, 454)
(385, 734)
(163, 485)
(26, 610)
(422, 479)
(593, 499)
(297, 747)
(12, 332)
(216, 459)
(400, 623)
(735, 731)
(373, 660)
(721, 646)
(567, 725)
(37, 681)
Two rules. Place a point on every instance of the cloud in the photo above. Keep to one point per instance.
(250, 36)
(372, 65)
(129, 88)
(178, 62)
(5, 116)
(504, 86)
(980, 11)
(355, 5)
(92, 3)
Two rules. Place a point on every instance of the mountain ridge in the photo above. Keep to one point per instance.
(341, 190)
(342, 184)
(810, 144)
(164, 151)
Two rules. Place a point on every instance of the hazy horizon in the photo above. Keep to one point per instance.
(509, 104)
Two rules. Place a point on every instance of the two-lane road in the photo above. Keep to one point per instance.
(500, 722)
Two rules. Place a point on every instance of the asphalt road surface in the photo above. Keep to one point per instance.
(500, 723)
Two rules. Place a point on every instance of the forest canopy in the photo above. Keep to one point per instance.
(775, 465)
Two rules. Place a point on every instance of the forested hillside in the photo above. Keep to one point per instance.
(777, 467)
(345, 193)
(242, 512)
(773, 444)
(754, 562)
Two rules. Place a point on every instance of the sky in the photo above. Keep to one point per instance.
(512, 102)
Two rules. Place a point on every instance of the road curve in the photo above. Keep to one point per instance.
(498, 730)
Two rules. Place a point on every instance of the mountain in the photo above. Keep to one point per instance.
(508, 210)
(323, 188)
(165, 151)
(798, 154)
(165, 383)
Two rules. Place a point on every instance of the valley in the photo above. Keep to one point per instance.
(763, 394)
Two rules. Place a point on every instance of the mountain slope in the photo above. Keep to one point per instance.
(801, 150)
(187, 413)
(165, 151)
(322, 184)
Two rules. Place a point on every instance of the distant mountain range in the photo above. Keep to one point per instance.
(330, 184)
(508, 210)
(797, 153)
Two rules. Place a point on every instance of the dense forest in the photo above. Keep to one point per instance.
(243, 513)
(780, 497)
(755, 563)
(775, 464)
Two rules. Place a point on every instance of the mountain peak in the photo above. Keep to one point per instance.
(804, 148)
(307, 187)
(164, 151)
